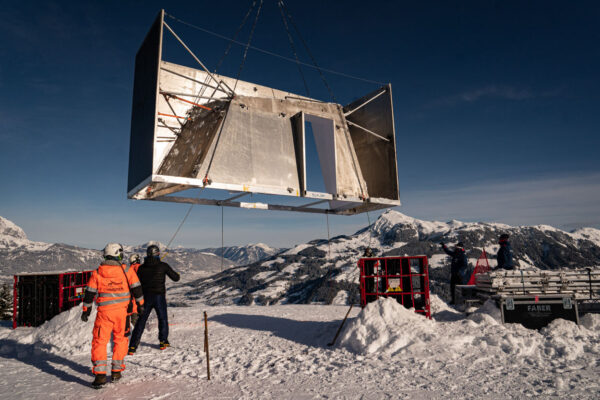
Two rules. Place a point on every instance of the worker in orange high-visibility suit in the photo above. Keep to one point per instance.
(113, 286)
(134, 264)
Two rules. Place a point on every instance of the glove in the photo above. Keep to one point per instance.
(86, 314)
(442, 244)
(140, 309)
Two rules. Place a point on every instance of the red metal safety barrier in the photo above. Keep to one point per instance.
(482, 267)
(39, 297)
(73, 288)
(404, 278)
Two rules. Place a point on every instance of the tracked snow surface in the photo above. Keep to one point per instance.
(280, 352)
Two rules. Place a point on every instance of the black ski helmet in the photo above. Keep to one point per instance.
(504, 237)
(153, 251)
(460, 244)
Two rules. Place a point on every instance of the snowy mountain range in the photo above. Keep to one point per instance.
(18, 254)
(242, 255)
(318, 272)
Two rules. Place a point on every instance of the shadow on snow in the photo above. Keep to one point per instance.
(43, 360)
(448, 316)
(309, 333)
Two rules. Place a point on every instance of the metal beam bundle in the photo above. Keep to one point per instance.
(582, 284)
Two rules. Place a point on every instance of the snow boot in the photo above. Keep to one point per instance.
(131, 350)
(164, 345)
(115, 376)
(99, 381)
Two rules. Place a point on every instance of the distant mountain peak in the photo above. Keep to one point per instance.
(244, 254)
(12, 236)
(261, 245)
(9, 228)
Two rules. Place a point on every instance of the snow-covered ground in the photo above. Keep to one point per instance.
(281, 352)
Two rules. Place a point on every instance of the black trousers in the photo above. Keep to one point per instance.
(454, 280)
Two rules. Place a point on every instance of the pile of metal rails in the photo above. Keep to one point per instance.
(580, 284)
(536, 297)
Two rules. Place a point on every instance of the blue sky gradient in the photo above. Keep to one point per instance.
(495, 102)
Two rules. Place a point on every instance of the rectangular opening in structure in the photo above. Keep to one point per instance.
(319, 155)
(313, 173)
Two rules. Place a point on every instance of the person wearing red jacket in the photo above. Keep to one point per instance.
(134, 264)
(112, 286)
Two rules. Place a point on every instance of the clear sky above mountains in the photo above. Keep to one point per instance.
(496, 109)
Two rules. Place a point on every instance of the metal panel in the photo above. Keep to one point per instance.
(256, 148)
(192, 146)
(377, 157)
(188, 130)
(143, 114)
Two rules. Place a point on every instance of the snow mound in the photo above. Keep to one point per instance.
(64, 334)
(438, 305)
(387, 328)
(488, 312)
(385, 325)
(563, 339)
(67, 333)
(591, 322)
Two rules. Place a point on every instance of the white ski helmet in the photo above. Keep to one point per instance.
(134, 258)
(114, 251)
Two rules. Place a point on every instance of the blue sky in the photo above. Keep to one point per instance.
(495, 103)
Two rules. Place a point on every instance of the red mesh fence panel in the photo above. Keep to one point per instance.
(39, 297)
(404, 278)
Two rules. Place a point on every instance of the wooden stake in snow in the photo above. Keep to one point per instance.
(341, 325)
(206, 345)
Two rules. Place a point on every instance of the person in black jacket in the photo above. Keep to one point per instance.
(505, 253)
(152, 276)
(458, 266)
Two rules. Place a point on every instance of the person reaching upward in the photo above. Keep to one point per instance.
(152, 275)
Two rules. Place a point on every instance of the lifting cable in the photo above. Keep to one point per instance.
(247, 45)
(222, 235)
(234, 87)
(235, 36)
(282, 4)
(270, 53)
(370, 229)
(331, 267)
(328, 240)
(187, 214)
(230, 43)
(206, 179)
(289, 34)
